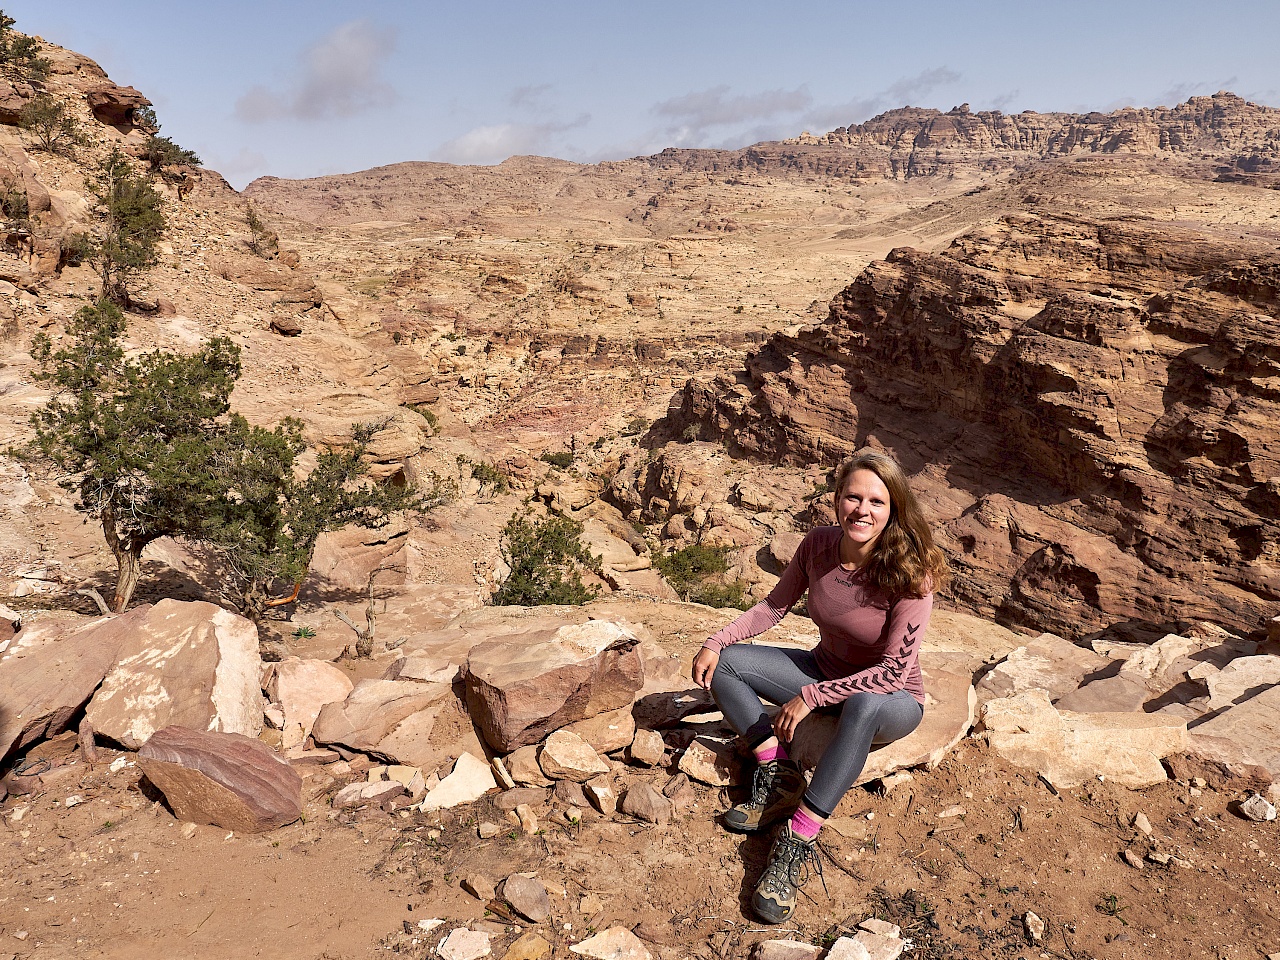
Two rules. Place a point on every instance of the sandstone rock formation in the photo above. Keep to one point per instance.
(225, 779)
(1088, 407)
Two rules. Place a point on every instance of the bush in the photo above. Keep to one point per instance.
(696, 574)
(76, 249)
(14, 206)
(486, 474)
(52, 124)
(562, 459)
(133, 224)
(546, 558)
(262, 241)
(19, 55)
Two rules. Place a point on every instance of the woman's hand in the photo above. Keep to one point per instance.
(704, 667)
(788, 718)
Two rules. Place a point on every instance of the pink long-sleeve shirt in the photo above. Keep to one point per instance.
(869, 641)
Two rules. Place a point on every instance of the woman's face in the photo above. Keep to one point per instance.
(862, 507)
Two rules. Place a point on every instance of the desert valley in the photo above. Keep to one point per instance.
(1065, 327)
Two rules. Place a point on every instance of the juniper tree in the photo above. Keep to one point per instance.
(52, 124)
(20, 55)
(132, 225)
(546, 559)
(133, 437)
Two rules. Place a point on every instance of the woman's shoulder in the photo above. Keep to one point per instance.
(820, 540)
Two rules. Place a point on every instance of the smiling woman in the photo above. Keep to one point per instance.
(870, 582)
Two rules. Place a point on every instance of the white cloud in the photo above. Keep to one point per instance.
(900, 93)
(696, 114)
(339, 76)
(494, 143)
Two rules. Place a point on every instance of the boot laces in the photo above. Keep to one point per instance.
(794, 861)
(762, 783)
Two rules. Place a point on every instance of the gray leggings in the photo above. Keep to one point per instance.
(747, 672)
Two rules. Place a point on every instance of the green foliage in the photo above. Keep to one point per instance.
(637, 426)
(486, 474)
(161, 152)
(266, 525)
(131, 437)
(262, 241)
(696, 573)
(561, 459)
(14, 206)
(427, 414)
(19, 55)
(132, 226)
(546, 558)
(304, 633)
(52, 124)
(76, 249)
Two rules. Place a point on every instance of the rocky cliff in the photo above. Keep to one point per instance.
(1089, 406)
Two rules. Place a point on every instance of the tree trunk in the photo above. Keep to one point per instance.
(128, 554)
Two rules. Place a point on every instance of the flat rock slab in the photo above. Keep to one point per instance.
(44, 684)
(1069, 748)
(302, 688)
(948, 715)
(470, 780)
(1241, 679)
(189, 664)
(1252, 728)
(1047, 663)
(785, 950)
(607, 732)
(522, 686)
(464, 944)
(566, 756)
(223, 779)
(713, 762)
(616, 943)
(394, 720)
(527, 897)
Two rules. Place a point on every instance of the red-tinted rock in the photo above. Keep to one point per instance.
(224, 779)
(114, 104)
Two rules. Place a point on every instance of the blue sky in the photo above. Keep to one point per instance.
(298, 89)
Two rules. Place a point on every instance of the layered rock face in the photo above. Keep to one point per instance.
(1090, 407)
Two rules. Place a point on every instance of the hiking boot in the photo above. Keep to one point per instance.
(776, 789)
(775, 896)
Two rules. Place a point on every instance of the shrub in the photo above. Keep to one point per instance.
(14, 206)
(637, 426)
(561, 459)
(51, 123)
(133, 224)
(695, 573)
(76, 249)
(486, 474)
(546, 558)
(262, 241)
(19, 55)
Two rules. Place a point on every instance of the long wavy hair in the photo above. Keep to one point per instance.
(904, 560)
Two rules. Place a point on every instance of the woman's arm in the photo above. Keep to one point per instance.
(905, 629)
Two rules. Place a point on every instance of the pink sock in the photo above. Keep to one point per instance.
(776, 752)
(803, 825)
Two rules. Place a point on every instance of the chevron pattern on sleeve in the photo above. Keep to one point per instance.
(884, 677)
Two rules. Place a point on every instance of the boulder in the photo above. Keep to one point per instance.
(192, 664)
(566, 756)
(1069, 748)
(607, 732)
(44, 684)
(712, 762)
(470, 780)
(645, 803)
(302, 688)
(394, 720)
(600, 794)
(647, 748)
(527, 897)
(520, 687)
(1247, 732)
(224, 779)
(523, 767)
(950, 702)
(114, 104)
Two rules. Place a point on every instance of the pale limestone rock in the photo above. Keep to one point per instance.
(1047, 663)
(527, 896)
(648, 748)
(616, 943)
(1242, 678)
(880, 927)
(480, 887)
(645, 803)
(601, 795)
(1034, 926)
(411, 778)
(273, 716)
(1068, 749)
(529, 946)
(566, 756)
(785, 950)
(606, 732)
(712, 762)
(1141, 823)
(423, 668)
(302, 688)
(524, 768)
(519, 687)
(500, 774)
(508, 800)
(470, 780)
(464, 944)
(848, 948)
(948, 716)
(1248, 732)
(394, 720)
(1258, 808)
(192, 664)
(527, 818)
